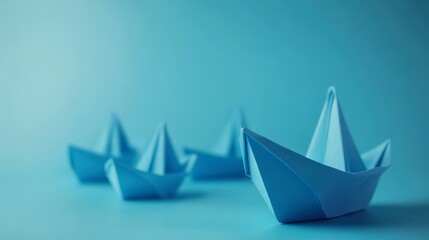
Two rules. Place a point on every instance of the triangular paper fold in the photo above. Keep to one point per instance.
(157, 174)
(224, 161)
(89, 164)
(316, 186)
(332, 143)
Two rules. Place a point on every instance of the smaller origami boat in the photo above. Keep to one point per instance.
(225, 160)
(157, 174)
(330, 181)
(89, 164)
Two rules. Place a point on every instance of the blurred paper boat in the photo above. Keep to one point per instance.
(158, 173)
(225, 160)
(330, 181)
(89, 164)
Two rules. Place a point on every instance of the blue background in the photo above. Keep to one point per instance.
(65, 66)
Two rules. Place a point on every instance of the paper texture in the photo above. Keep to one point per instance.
(88, 164)
(157, 174)
(224, 161)
(330, 181)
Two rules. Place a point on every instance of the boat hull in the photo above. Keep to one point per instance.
(130, 183)
(299, 189)
(88, 166)
(213, 167)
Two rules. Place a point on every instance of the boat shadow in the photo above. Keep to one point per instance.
(188, 195)
(400, 218)
(384, 216)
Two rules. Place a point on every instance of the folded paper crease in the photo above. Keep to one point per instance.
(157, 174)
(88, 164)
(224, 161)
(331, 180)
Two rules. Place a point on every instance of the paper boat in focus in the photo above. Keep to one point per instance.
(330, 181)
(89, 164)
(225, 160)
(157, 174)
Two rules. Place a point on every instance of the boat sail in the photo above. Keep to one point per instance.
(157, 174)
(88, 164)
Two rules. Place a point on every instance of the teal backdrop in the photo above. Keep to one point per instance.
(65, 66)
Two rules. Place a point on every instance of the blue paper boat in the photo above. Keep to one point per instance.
(330, 181)
(89, 164)
(157, 174)
(225, 160)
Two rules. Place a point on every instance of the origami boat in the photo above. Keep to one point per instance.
(225, 160)
(89, 164)
(330, 181)
(157, 174)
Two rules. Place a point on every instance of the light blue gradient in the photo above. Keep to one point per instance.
(65, 66)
